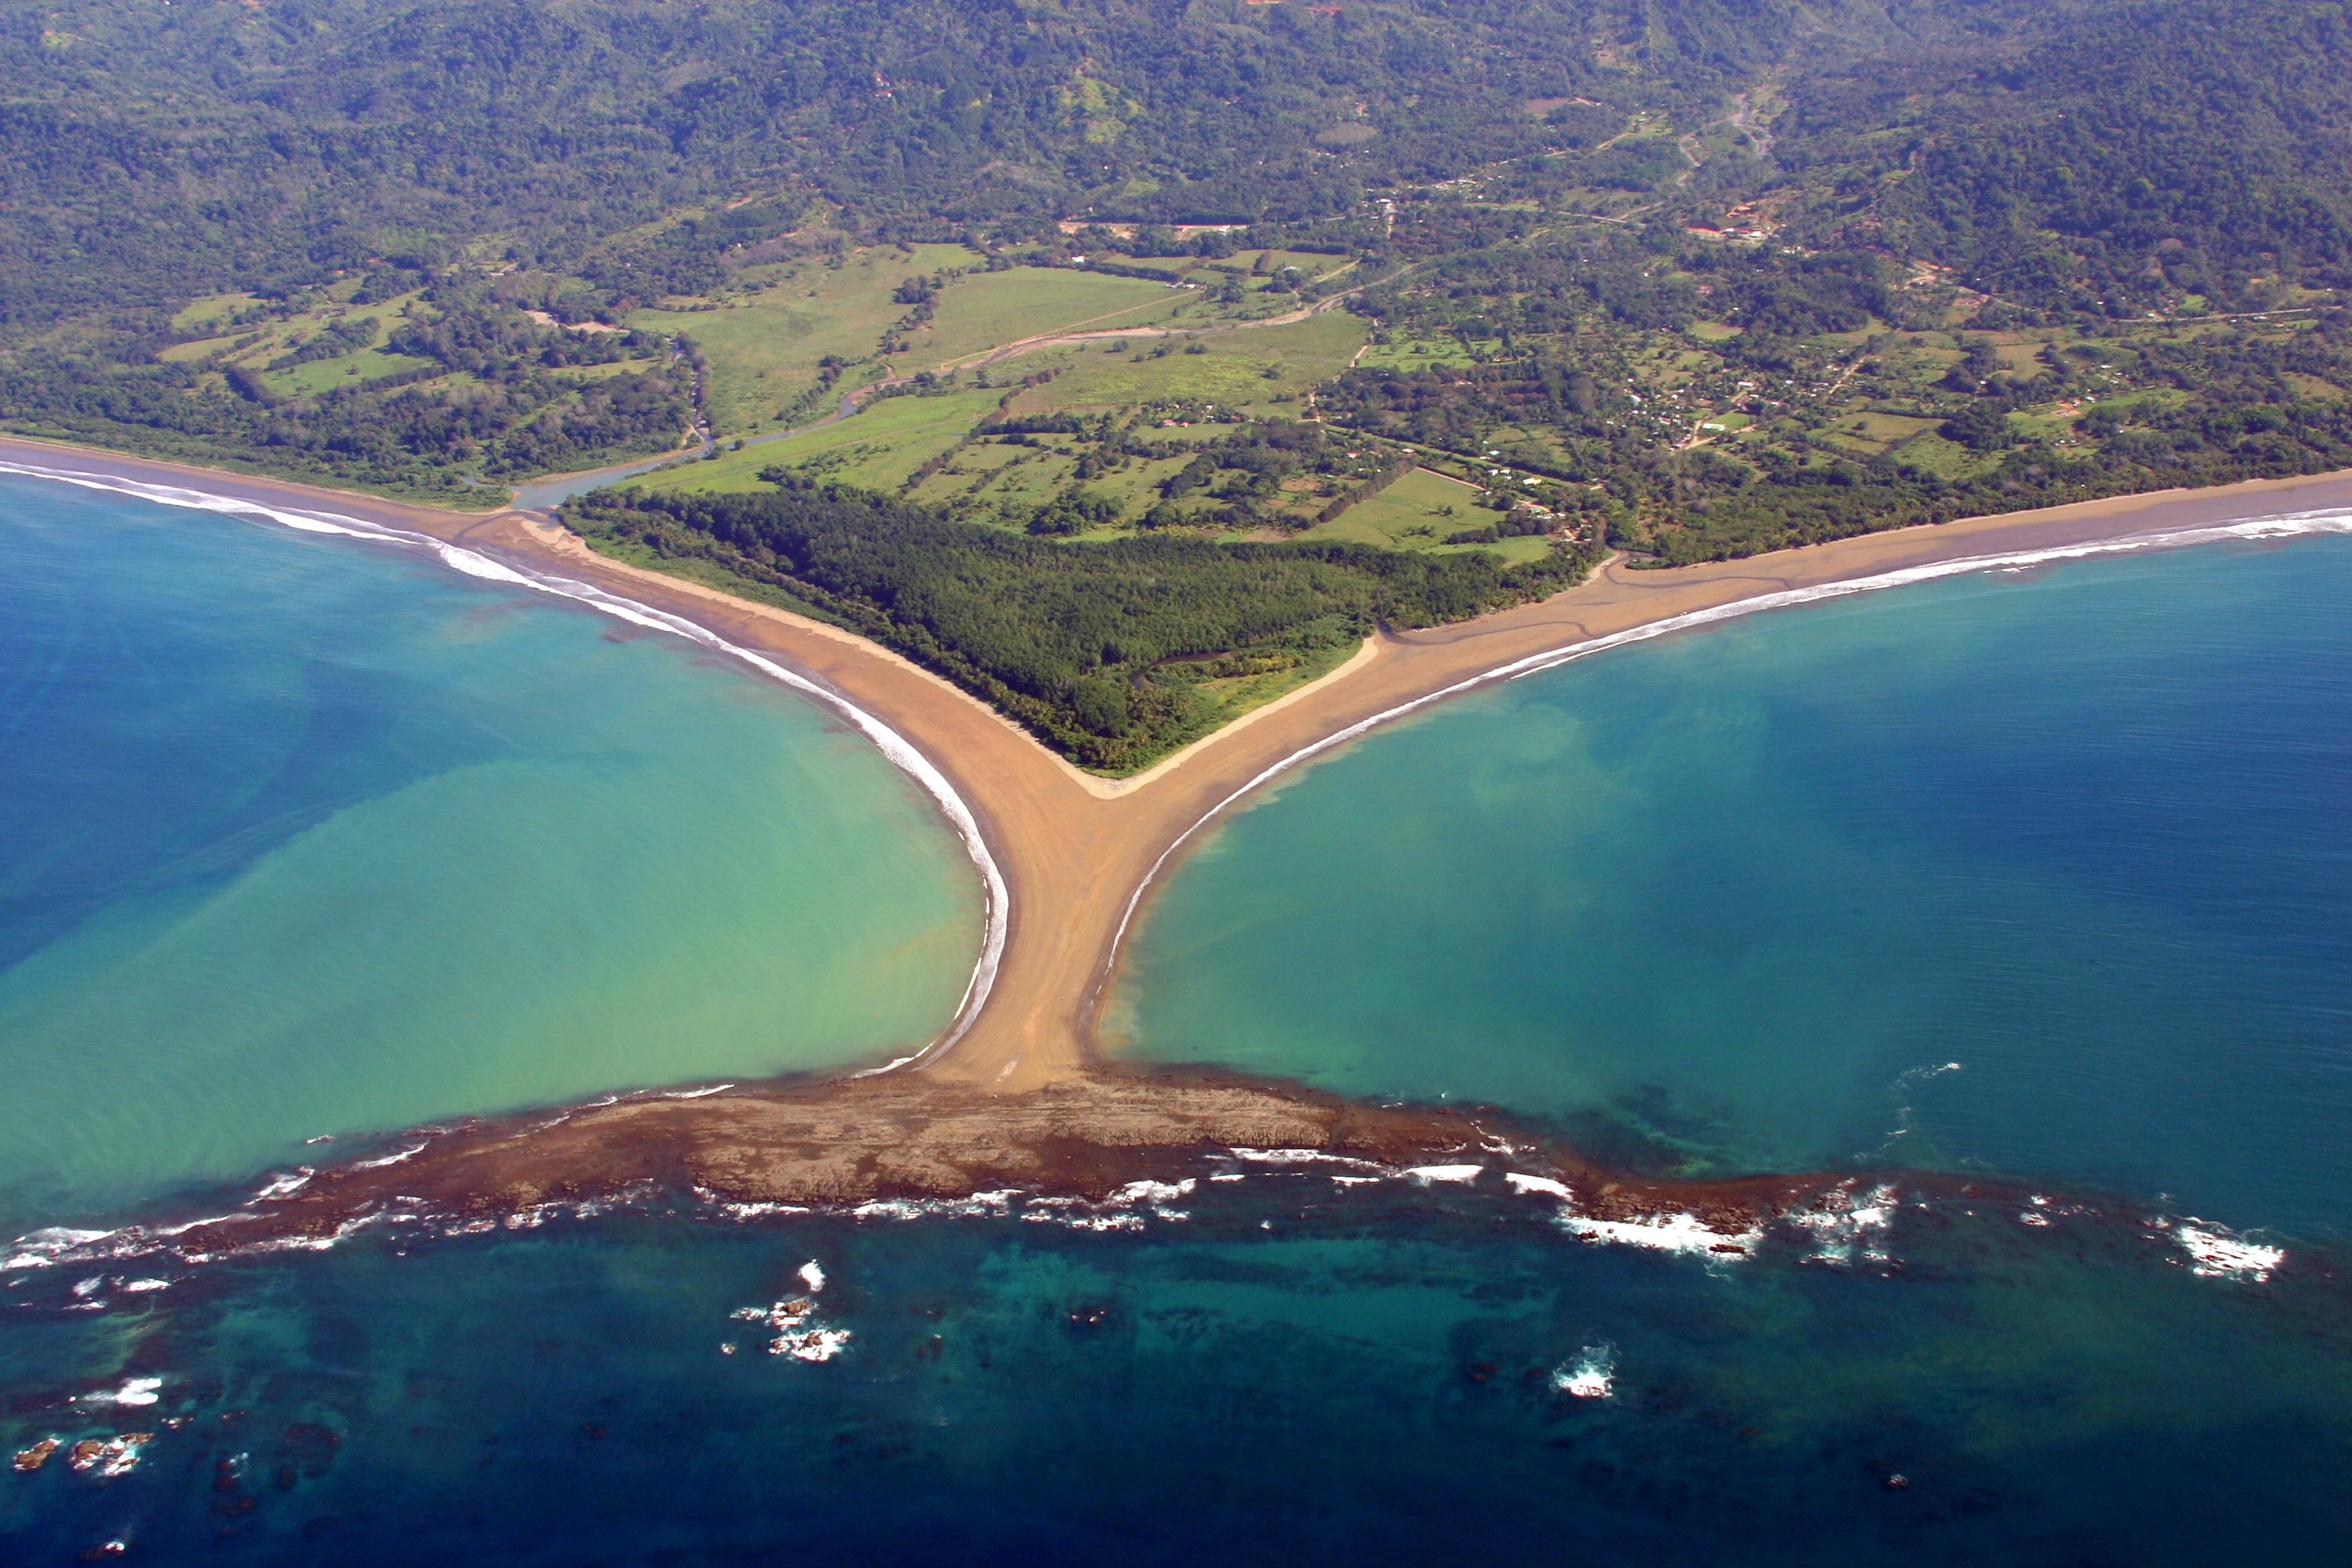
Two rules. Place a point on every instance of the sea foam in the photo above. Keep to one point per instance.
(2217, 1253)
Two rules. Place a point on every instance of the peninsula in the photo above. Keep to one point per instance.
(1078, 853)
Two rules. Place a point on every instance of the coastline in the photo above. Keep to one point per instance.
(1077, 854)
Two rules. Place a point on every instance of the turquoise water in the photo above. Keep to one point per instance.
(2047, 873)
(1727, 902)
(300, 837)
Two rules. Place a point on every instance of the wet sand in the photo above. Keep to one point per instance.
(1075, 850)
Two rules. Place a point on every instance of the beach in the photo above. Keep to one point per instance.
(1076, 854)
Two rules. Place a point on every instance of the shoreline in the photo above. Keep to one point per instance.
(1067, 858)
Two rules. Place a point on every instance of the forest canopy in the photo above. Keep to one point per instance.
(1101, 649)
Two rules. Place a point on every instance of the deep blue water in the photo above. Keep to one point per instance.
(1371, 1379)
(1916, 828)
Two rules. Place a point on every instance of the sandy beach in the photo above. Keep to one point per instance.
(1075, 850)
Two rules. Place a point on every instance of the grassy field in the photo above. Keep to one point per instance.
(763, 344)
(989, 481)
(1310, 265)
(1873, 432)
(1930, 451)
(986, 310)
(1243, 370)
(876, 448)
(1416, 513)
(1410, 351)
(210, 312)
(325, 374)
(254, 346)
(1238, 695)
(1005, 480)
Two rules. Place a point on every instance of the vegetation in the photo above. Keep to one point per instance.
(1390, 309)
(1710, 400)
(1113, 653)
(460, 388)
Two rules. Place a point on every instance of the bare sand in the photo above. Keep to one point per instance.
(1074, 850)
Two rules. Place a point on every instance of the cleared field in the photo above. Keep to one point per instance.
(1184, 264)
(989, 481)
(1239, 694)
(1414, 513)
(271, 338)
(875, 449)
(1244, 370)
(326, 375)
(1406, 352)
(987, 309)
(1875, 432)
(206, 313)
(1418, 512)
(263, 341)
(1310, 265)
(763, 348)
(1932, 452)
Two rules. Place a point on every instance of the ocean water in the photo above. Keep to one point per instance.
(1294, 1374)
(303, 837)
(2042, 873)
(1302, 1362)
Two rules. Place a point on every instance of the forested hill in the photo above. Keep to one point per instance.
(1689, 277)
(2106, 162)
(148, 151)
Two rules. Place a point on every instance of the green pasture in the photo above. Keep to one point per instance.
(1237, 695)
(876, 448)
(1411, 514)
(1240, 369)
(198, 314)
(1873, 432)
(280, 336)
(987, 309)
(1948, 459)
(989, 481)
(326, 375)
(763, 346)
(1406, 352)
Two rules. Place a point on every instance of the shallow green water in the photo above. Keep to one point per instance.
(299, 835)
